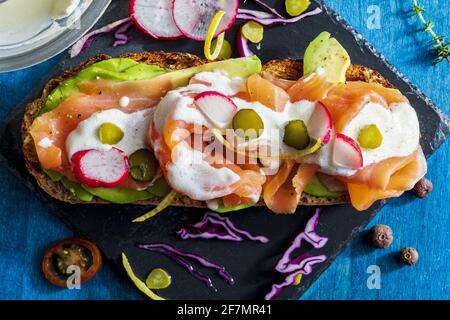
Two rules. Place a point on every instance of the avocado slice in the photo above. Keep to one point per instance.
(123, 69)
(327, 53)
(240, 67)
(223, 209)
(119, 195)
(53, 175)
(316, 188)
(77, 190)
(160, 188)
(119, 69)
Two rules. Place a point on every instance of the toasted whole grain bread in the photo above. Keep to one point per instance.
(286, 69)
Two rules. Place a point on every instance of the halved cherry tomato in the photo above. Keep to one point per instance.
(68, 252)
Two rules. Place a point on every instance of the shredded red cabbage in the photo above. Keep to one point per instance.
(242, 45)
(291, 267)
(190, 268)
(309, 235)
(271, 21)
(121, 36)
(268, 8)
(304, 265)
(171, 252)
(215, 226)
(86, 40)
(256, 13)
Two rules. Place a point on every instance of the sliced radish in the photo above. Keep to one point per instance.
(154, 17)
(219, 109)
(320, 124)
(346, 152)
(242, 45)
(193, 18)
(96, 168)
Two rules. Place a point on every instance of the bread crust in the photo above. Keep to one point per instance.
(286, 69)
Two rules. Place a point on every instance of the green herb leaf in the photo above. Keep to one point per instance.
(440, 48)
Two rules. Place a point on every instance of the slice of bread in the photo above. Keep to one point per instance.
(286, 69)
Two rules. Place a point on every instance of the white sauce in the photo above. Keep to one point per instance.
(212, 204)
(189, 172)
(21, 20)
(275, 121)
(320, 71)
(134, 126)
(177, 106)
(45, 143)
(399, 126)
(221, 82)
(195, 178)
(124, 102)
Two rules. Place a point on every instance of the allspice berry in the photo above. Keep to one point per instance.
(409, 256)
(422, 188)
(380, 236)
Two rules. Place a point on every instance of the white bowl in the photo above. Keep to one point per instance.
(53, 38)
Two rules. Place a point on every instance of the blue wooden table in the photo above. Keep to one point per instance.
(27, 227)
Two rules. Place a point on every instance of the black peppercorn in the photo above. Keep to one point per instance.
(422, 188)
(380, 236)
(409, 256)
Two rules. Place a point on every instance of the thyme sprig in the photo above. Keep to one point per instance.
(440, 47)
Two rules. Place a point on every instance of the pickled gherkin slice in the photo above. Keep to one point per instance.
(109, 133)
(253, 31)
(138, 282)
(296, 135)
(248, 124)
(142, 165)
(370, 137)
(296, 7)
(158, 279)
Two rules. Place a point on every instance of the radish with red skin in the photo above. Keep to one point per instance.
(154, 18)
(346, 152)
(193, 17)
(219, 109)
(320, 125)
(242, 45)
(96, 168)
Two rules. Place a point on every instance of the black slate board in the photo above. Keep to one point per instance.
(250, 263)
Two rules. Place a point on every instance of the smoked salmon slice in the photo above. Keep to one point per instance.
(282, 83)
(283, 190)
(345, 101)
(279, 193)
(175, 132)
(265, 92)
(303, 176)
(313, 88)
(154, 88)
(387, 179)
(233, 200)
(57, 124)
